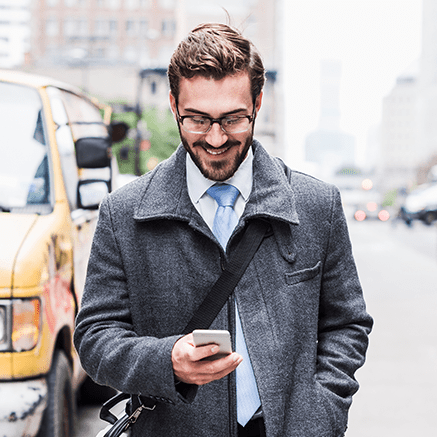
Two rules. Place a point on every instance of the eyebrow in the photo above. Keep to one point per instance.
(196, 111)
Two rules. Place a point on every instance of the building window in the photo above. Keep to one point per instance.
(130, 54)
(113, 4)
(52, 51)
(69, 27)
(99, 53)
(52, 27)
(130, 28)
(144, 27)
(167, 4)
(101, 27)
(82, 27)
(74, 28)
(165, 54)
(168, 27)
(113, 53)
(113, 27)
(132, 4)
(144, 56)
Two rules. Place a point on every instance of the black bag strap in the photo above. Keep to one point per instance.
(202, 319)
(225, 284)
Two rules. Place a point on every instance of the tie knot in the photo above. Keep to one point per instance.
(224, 194)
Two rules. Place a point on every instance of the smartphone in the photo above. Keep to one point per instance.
(210, 336)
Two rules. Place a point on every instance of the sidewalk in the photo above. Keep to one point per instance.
(398, 395)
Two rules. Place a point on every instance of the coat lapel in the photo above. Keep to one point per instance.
(165, 195)
(272, 195)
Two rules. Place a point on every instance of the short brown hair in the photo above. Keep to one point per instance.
(215, 51)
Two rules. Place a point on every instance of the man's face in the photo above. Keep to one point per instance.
(216, 153)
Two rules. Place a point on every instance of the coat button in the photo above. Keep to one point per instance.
(222, 263)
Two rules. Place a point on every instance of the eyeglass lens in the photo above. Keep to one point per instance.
(228, 124)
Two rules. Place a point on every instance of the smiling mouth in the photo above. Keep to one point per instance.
(217, 151)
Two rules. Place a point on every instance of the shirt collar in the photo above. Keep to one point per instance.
(198, 184)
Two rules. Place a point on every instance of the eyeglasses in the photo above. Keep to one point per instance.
(202, 124)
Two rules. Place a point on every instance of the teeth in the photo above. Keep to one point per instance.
(216, 152)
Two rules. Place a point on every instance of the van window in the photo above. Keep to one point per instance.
(85, 121)
(65, 142)
(24, 159)
(85, 118)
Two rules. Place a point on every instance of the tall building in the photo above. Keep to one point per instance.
(409, 127)
(427, 84)
(14, 32)
(328, 146)
(400, 150)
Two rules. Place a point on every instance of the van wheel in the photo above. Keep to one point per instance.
(58, 418)
(429, 218)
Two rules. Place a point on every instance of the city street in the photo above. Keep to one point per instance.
(398, 395)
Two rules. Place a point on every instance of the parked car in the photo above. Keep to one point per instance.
(53, 143)
(420, 204)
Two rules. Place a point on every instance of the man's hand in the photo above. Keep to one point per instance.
(188, 366)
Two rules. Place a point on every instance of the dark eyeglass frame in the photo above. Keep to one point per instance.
(181, 119)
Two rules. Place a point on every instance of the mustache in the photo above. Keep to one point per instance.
(227, 145)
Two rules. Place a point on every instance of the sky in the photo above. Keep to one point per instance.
(375, 40)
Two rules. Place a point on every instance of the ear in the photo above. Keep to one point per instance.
(172, 101)
(258, 102)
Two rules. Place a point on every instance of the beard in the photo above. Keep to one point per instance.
(218, 170)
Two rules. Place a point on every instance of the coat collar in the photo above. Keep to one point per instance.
(165, 194)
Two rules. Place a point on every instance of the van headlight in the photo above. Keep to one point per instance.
(20, 324)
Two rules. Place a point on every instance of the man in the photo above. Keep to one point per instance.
(297, 313)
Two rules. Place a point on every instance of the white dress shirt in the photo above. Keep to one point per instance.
(198, 184)
(249, 400)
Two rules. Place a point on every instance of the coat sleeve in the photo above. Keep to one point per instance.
(110, 350)
(344, 324)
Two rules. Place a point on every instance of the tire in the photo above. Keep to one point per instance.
(429, 218)
(91, 393)
(58, 418)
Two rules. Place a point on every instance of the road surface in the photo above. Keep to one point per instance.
(398, 271)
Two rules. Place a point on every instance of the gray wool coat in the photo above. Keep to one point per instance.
(153, 261)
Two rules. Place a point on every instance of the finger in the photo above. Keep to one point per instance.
(204, 372)
(207, 371)
(207, 351)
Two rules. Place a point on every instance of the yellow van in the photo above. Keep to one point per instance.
(53, 143)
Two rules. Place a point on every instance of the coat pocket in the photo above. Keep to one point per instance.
(303, 275)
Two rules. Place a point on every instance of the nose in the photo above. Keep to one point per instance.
(216, 137)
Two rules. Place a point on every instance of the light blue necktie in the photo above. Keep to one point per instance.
(225, 220)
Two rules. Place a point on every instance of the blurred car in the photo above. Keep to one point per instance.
(420, 204)
(371, 211)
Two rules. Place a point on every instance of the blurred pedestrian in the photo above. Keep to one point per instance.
(298, 313)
